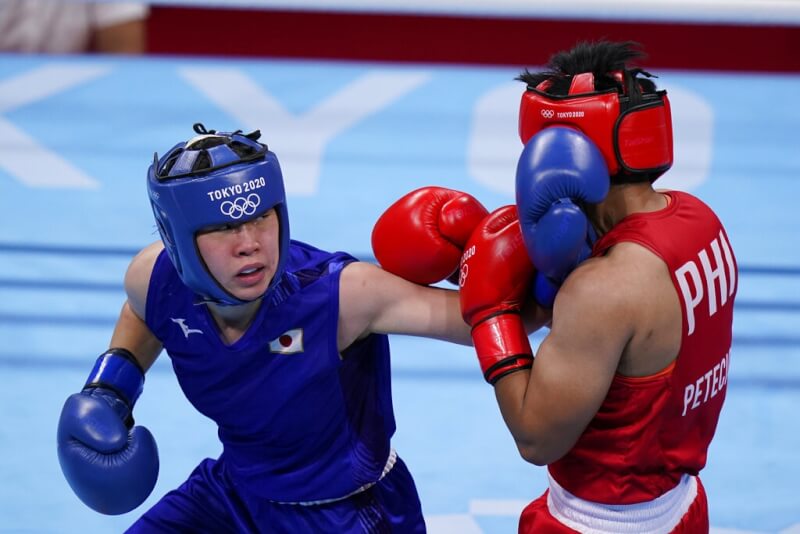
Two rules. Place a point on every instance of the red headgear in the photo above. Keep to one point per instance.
(632, 130)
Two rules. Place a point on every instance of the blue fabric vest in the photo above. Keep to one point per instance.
(298, 422)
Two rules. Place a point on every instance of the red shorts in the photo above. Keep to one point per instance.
(536, 517)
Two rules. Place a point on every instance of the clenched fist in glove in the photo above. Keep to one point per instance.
(495, 280)
(422, 235)
(110, 464)
(559, 168)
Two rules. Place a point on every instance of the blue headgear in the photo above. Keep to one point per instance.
(216, 178)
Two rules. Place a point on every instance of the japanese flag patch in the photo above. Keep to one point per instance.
(290, 342)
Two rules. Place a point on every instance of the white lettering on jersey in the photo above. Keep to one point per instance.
(704, 284)
(707, 386)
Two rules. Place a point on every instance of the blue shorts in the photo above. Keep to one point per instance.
(207, 502)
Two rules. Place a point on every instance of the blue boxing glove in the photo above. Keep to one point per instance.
(558, 168)
(111, 465)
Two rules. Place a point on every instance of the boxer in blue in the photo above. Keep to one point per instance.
(283, 345)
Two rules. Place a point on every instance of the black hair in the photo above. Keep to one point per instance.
(598, 57)
(605, 60)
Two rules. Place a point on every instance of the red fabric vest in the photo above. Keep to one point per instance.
(650, 430)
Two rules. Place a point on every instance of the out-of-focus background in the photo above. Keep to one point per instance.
(364, 101)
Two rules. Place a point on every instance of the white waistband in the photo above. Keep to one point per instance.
(659, 516)
(386, 468)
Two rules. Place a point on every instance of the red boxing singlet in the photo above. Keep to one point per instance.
(651, 430)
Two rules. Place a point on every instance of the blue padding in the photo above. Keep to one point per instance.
(222, 155)
(185, 162)
(117, 369)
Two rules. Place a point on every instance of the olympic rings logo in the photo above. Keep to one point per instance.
(547, 113)
(462, 275)
(241, 206)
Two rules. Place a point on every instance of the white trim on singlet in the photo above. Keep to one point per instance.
(659, 516)
(386, 468)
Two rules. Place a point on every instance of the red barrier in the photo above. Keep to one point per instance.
(461, 39)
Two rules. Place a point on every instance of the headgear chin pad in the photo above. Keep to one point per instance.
(633, 130)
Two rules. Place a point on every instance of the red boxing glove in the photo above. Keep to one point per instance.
(421, 236)
(495, 278)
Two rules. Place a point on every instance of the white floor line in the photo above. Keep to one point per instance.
(452, 524)
(501, 507)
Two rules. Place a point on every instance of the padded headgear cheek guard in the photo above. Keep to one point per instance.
(214, 179)
(633, 131)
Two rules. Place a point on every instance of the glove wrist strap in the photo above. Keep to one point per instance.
(502, 346)
(118, 370)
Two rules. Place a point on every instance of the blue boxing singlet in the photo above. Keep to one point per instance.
(298, 421)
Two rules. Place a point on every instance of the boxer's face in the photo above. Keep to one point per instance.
(242, 257)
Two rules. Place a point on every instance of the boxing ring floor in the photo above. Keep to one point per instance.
(77, 134)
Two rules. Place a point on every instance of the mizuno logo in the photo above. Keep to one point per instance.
(184, 328)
